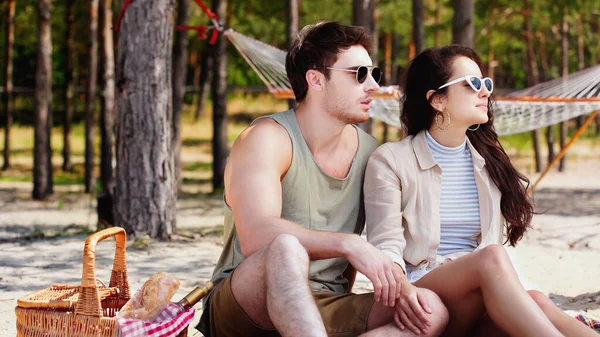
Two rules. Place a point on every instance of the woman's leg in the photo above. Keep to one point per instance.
(566, 324)
(489, 272)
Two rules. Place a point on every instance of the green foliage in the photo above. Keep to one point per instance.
(266, 21)
(324, 10)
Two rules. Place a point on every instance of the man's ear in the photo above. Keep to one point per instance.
(315, 79)
(438, 102)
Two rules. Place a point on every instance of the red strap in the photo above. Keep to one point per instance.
(206, 10)
(200, 29)
(213, 36)
(118, 23)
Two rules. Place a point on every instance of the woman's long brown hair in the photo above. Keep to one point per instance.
(428, 71)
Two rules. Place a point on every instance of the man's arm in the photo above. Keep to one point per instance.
(259, 159)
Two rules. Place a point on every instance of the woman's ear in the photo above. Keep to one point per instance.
(438, 102)
(314, 79)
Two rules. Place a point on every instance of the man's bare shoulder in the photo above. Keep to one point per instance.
(264, 144)
(264, 134)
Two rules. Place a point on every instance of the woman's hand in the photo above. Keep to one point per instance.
(378, 268)
(412, 309)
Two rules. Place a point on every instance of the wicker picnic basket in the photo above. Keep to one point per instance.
(80, 311)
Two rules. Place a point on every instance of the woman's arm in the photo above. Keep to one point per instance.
(383, 205)
(385, 230)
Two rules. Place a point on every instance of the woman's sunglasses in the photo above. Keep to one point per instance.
(362, 72)
(475, 82)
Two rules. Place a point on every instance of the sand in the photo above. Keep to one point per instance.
(559, 256)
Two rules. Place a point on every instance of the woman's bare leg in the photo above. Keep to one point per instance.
(490, 272)
(566, 324)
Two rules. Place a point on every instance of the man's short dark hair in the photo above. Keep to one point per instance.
(317, 47)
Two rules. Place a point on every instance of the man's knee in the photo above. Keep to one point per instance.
(439, 313)
(285, 247)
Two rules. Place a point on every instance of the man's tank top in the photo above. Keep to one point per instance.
(313, 199)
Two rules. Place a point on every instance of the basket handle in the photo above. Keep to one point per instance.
(89, 299)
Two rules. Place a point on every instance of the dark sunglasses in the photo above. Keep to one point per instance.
(475, 82)
(362, 72)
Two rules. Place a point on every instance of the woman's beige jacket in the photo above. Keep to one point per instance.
(403, 184)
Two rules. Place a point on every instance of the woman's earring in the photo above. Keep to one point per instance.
(475, 128)
(437, 122)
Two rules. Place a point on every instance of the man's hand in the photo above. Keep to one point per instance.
(377, 267)
(411, 309)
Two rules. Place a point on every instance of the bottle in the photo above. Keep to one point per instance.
(195, 296)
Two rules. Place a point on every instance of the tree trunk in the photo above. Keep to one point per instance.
(363, 14)
(491, 62)
(8, 77)
(292, 34)
(42, 168)
(144, 199)
(104, 206)
(387, 74)
(180, 56)
(463, 25)
(418, 28)
(438, 22)
(532, 71)
(90, 98)
(219, 94)
(69, 85)
(206, 61)
(565, 73)
(597, 33)
(395, 68)
(543, 55)
(580, 42)
(535, 136)
(195, 64)
(532, 77)
(580, 57)
(108, 99)
(550, 142)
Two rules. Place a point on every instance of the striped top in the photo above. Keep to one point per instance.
(459, 203)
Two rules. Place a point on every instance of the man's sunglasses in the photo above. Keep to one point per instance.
(475, 82)
(362, 72)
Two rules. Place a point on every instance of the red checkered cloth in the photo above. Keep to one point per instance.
(169, 323)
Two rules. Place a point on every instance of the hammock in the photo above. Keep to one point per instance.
(545, 104)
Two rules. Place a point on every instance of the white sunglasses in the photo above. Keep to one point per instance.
(475, 82)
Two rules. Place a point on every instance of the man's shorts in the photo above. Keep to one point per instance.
(344, 315)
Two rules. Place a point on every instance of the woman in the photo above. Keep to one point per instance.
(437, 203)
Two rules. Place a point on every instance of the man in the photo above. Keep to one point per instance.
(293, 187)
